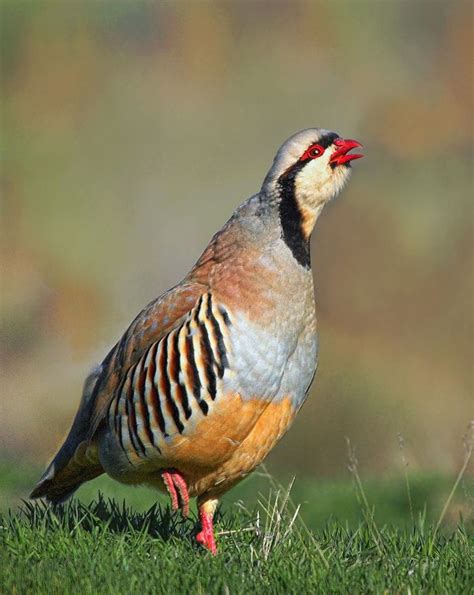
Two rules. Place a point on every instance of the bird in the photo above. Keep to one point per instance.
(211, 374)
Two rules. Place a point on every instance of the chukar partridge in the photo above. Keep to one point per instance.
(210, 375)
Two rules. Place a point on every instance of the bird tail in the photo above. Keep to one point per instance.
(63, 477)
(77, 460)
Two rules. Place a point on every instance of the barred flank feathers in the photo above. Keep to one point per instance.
(175, 378)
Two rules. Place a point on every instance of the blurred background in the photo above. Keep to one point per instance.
(130, 132)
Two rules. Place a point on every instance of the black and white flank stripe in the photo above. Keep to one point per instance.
(175, 381)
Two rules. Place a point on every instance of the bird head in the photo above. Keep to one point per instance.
(314, 164)
(310, 169)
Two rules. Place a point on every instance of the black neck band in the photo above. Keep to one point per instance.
(290, 215)
(291, 219)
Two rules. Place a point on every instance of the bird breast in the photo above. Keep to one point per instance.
(273, 333)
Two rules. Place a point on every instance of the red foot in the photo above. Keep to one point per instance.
(177, 489)
(206, 536)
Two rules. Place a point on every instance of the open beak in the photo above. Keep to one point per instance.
(341, 154)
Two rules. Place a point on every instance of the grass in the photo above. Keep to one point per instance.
(104, 547)
(406, 534)
(361, 536)
(321, 499)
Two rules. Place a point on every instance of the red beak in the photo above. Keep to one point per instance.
(341, 154)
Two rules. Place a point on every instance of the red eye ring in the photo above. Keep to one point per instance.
(313, 152)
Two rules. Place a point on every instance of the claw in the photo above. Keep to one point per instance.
(178, 490)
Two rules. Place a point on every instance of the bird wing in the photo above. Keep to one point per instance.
(76, 460)
(153, 323)
(75, 463)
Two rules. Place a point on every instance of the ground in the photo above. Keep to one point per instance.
(318, 537)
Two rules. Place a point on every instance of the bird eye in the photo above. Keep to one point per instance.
(313, 152)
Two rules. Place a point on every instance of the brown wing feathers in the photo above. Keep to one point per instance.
(151, 325)
(68, 469)
(163, 371)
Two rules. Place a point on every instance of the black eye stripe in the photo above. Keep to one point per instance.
(327, 140)
(317, 148)
(324, 142)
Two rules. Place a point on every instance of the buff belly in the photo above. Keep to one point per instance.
(221, 450)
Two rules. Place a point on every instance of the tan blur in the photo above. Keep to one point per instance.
(130, 131)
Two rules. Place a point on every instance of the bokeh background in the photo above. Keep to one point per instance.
(131, 130)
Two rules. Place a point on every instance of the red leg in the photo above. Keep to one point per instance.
(180, 484)
(168, 481)
(206, 536)
(176, 486)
